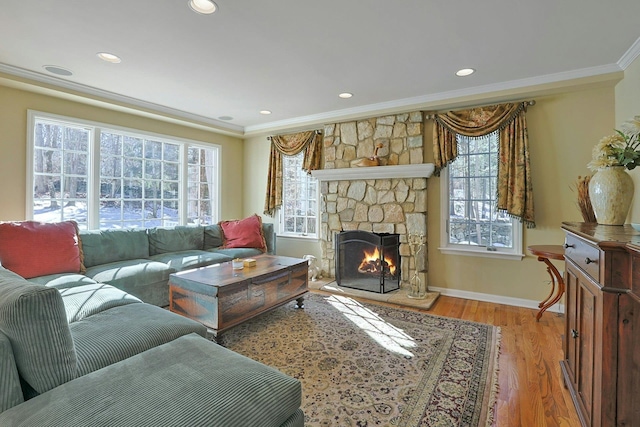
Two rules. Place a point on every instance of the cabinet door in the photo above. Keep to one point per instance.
(628, 374)
(586, 303)
(571, 325)
(581, 304)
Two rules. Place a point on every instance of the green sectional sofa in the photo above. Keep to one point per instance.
(94, 355)
(139, 262)
(84, 341)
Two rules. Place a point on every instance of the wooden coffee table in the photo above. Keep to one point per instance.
(220, 297)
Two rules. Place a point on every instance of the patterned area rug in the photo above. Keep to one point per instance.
(364, 364)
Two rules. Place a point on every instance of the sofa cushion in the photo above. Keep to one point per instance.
(104, 339)
(105, 246)
(62, 280)
(190, 259)
(84, 301)
(237, 252)
(142, 278)
(243, 233)
(33, 317)
(188, 381)
(175, 239)
(212, 236)
(32, 248)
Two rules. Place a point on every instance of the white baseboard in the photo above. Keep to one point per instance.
(477, 296)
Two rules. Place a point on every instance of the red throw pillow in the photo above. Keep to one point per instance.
(33, 249)
(243, 233)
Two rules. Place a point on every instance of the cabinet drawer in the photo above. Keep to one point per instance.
(584, 255)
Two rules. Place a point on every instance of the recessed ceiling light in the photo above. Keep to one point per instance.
(205, 7)
(226, 118)
(345, 95)
(109, 57)
(265, 112)
(465, 72)
(54, 69)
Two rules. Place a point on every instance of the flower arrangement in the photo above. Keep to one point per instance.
(620, 149)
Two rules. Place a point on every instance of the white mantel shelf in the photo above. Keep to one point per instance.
(422, 170)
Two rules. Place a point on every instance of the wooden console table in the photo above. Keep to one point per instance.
(602, 323)
(544, 254)
(220, 297)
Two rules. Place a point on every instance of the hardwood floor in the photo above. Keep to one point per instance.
(531, 392)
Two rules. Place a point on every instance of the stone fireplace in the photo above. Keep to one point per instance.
(388, 198)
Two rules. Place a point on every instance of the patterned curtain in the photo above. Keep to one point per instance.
(515, 192)
(290, 145)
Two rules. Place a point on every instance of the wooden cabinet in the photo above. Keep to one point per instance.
(601, 365)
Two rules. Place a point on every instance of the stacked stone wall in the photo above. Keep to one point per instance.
(394, 205)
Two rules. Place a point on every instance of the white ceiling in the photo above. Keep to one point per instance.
(294, 57)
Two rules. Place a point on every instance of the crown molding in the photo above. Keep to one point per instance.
(566, 79)
(446, 99)
(78, 90)
(630, 55)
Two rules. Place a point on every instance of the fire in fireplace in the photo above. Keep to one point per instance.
(368, 261)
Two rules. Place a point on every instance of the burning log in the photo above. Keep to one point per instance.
(376, 266)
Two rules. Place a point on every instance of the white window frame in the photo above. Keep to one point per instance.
(514, 253)
(93, 168)
(280, 228)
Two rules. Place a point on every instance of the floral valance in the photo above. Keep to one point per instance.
(515, 192)
(290, 145)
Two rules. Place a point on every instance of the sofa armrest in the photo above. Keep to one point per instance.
(270, 237)
(10, 390)
(33, 318)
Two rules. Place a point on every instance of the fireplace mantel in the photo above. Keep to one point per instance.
(422, 170)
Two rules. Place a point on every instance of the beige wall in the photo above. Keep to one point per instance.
(562, 130)
(628, 106)
(256, 158)
(14, 104)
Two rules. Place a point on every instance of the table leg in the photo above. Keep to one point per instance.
(555, 278)
(553, 284)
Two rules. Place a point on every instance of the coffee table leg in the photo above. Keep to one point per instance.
(300, 302)
(214, 336)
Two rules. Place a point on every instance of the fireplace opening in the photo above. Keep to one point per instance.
(368, 261)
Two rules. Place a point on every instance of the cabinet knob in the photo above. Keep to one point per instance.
(567, 246)
(574, 333)
(589, 260)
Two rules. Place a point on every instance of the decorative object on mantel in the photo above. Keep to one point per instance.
(584, 201)
(417, 289)
(611, 188)
(369, 161)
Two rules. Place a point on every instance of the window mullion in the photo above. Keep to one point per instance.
(183, 198)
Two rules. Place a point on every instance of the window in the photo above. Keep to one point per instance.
(103, 177)
(60, 162)
(472, 225)
(299, 211)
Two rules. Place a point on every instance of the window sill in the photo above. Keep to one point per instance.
(482, 254)
(297, 236)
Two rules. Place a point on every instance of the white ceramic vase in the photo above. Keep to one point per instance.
(611, 192)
